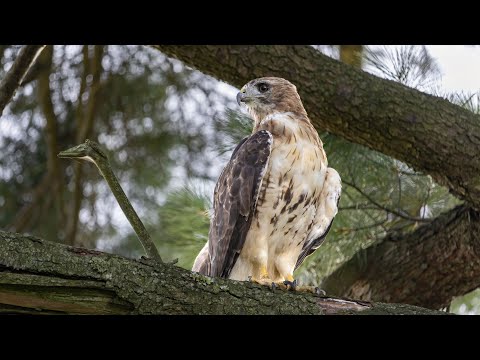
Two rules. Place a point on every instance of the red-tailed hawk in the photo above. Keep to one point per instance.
(276, 199)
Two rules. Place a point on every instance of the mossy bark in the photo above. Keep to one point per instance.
(41, 277)
(427, 268)
(439, 260)
(429, 133)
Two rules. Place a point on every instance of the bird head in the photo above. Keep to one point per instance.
(268, 95)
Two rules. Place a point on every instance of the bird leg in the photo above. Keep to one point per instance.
(290, 283)
(264, 279)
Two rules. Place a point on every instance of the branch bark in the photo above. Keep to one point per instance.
(427, 267)
(37, 276)
(12, 80)
(428, 133)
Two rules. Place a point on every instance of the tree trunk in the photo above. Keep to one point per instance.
(427, 268)
(427, 132)
(38, 276)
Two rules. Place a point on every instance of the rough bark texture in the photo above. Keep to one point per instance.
(15, 75)
(428, 133)
(436, 262)
(37, 276)
(426, 268)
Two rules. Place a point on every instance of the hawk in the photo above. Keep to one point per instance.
(276, 199)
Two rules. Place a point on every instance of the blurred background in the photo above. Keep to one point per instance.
(169, 130)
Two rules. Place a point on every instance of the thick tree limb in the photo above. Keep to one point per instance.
(37, 276)
(15, 75)
(427, 267)
(428, 133)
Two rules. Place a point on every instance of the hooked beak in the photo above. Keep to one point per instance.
(240, 97)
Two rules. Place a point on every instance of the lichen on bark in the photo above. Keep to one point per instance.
(37, 276)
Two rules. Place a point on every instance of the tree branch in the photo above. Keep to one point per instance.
(427, 267)
(37, 276)
(380, 206)
(428, 133)
(45, 100)
(84, 129)
(93, 152)
(15, 75)
(75, 205)
(87, 125)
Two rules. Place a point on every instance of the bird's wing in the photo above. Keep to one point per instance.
(235, 199)
(326, 211)
(202, 261)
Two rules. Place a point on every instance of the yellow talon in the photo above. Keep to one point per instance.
(289, 278)
(263, 272)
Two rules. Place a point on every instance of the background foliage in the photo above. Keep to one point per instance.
(169, 130)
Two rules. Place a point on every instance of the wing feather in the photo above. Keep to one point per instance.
(235, 198)
(326, 211)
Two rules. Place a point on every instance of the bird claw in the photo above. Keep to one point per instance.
(320, 292)
(291, 285)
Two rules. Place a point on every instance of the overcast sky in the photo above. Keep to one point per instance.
(460, 65)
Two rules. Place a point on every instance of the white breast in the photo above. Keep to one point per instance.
(281, 223)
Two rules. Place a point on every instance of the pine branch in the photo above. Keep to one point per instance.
(387, 209)
(12, 80)
(381, 114)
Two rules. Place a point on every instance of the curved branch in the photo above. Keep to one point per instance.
(15, 75)
(427, 267)
(37, 276)
(427, 132)
(91, 151)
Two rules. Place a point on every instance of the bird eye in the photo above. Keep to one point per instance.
(262, 87)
